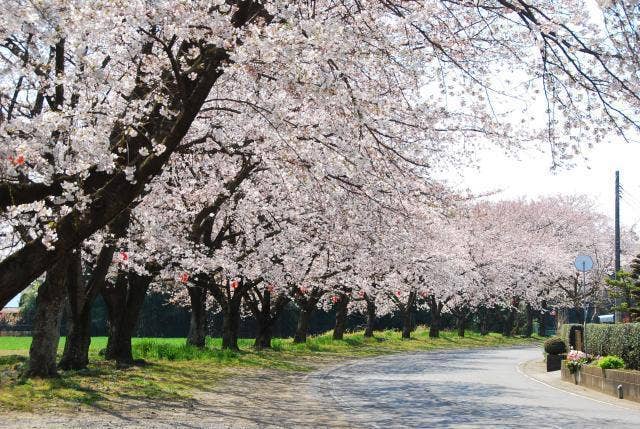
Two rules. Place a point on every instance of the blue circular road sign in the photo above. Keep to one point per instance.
(584, 263)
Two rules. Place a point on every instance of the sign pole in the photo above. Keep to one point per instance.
(584, 263)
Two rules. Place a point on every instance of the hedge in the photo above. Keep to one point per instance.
(620, 339)
(565, 333)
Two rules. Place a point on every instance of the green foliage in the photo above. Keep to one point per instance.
(152, 349)
(28, 304)
(555, 346)
(621, 339)
(611, 362)
(626, 287)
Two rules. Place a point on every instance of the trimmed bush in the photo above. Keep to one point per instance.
(555, 346)
(611, 362)
(621, 339)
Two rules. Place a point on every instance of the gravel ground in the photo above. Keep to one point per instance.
(461, 389)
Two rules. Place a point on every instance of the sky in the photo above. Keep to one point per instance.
(530, 176)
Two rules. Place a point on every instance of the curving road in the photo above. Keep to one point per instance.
(457, 389)
(473, 388)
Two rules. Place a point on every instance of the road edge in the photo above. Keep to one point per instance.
(531, 370)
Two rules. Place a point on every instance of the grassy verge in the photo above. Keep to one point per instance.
(175, 370)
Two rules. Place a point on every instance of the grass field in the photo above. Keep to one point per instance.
(175, 370)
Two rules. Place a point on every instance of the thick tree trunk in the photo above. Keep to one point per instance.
(407, 323)
(264, 335)
(82, 296)
(371, 318)
(528, 329)
(46, 324)
(198, 323)
(303, 325)
(434, 328)
(484, 321)
(507, 329)
(542, 320)
(230, 325)
(76, 347)
(266, 312)
(341, 317)
(124, 302)
(461, 324)
(435, 310)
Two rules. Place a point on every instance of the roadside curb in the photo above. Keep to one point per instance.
(535, 371)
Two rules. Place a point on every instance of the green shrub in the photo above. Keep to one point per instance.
(555, 346)
(611, 362)
(621, 339)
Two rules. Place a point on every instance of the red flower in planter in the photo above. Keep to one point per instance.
(234, 284)
(335, 299)
(184, 278)
(124, 255)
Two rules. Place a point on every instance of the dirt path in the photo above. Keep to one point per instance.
(254, 398)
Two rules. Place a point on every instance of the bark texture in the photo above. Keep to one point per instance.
(371, 317)
(124, 301)
(407, 315)
(198, 322)
(341, 316)
(528, 328)
(266, 310)
(82, 295)
(435, 310)
(307, 305)
(46, 325)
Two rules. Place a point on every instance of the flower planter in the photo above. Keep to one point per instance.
(605, 380)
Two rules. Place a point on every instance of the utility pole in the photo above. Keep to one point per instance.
(617, 215)
(618, 314)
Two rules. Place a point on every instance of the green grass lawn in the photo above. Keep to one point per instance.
(175, 370)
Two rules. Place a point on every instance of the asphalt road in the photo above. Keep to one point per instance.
(474, 388)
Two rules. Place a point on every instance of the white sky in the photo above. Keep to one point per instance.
(530, 176)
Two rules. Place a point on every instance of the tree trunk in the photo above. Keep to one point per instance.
(435, 310)
(264, 335)
(230, 325)
(484, 320)
(341, 317)
(507, 329)
(198, 323)
(76, 347)
(528, 329)
(266, 312)
(46, 324)
(82, 296)
(542, 317)
(461, 324)
(407, 323)
(371, 318)
(124, 302)
(303, 325)
(434, 328)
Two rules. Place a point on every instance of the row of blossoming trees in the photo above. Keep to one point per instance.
(258, 152)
